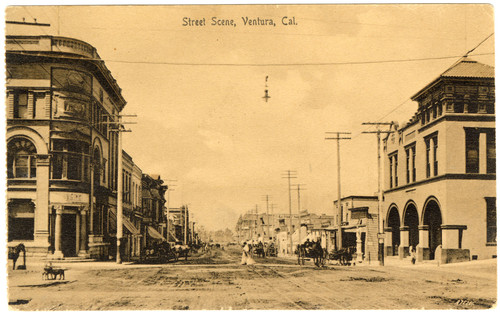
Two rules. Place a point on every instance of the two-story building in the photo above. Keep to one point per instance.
(61, 150)
(441, 170)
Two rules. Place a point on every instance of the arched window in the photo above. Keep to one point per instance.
(21, 159)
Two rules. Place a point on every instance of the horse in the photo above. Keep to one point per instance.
(311, 250)
(14, 255)
(259, 250)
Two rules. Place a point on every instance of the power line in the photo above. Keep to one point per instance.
(262, 64)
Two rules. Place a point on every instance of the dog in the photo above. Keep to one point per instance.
(52, 273)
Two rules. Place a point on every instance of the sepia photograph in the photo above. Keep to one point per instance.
(249, 157)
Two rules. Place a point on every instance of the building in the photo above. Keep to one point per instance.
(359, 224)
(255, 226)
(153, 205)
(440, 170)
(61, 152)
(133, 230)
(180, 225)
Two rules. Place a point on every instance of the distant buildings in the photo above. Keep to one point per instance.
(441, 170)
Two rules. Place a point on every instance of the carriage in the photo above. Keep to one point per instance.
(344, 256)
(182, 251)
(160, 253)
(271, 250)
(312, 251)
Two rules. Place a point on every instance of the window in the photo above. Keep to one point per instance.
(427, 158)
(70, 160)
(396, 170)
(408, 165)
(491, 220)
(21, 222)
(471, 151)
(490, 152)
(21, 161)
(413, 169)
(21, 104)
(390, 171)
(435, 148)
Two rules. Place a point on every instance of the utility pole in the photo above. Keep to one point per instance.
(266, 197)
(339, 136)
(298, 210)
(379, 193)
(168, 204)
(185, 223)
(290, 174)
(119, 200)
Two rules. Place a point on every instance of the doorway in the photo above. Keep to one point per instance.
(68, 235)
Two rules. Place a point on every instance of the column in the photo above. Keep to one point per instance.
(482, 152)
(359, 246)
(83, 235)
(77, 232)
(42, 203)
(388, 241)
(57, 248)
(405, 241)
(423, 243)
(91, 229)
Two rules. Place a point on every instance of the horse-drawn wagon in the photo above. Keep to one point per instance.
(344, 256)
(311, 250)
(160, 253)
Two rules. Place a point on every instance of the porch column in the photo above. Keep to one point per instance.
(57, 248)
(405, 241)
(388, 241)
(423, 243)
(83, 233)
(359, 246)
(77, 232)
(42, 202)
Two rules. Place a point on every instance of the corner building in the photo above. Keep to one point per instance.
(440, 173)
(61, 148)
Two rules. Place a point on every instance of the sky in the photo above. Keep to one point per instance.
(198, 91)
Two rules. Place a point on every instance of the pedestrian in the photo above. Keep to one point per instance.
(246, 256)
(413, 255)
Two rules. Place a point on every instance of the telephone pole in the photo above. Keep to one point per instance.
(119, 200)
(298, 210)
(266, 197)
(290, 174)
(338, 136)
(168, 204)
(379, 131)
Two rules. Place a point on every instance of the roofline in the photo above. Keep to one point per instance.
(106, 73)
(357, 197)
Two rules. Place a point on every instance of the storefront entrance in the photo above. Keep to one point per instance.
(68, 235)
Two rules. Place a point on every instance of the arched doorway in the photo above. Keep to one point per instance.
(411, 221)
(433, 219)
(394, 223)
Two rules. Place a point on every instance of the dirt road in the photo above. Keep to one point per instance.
(215, 280)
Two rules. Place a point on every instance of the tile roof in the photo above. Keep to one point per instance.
(467, 67)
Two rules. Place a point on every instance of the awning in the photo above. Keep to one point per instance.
(126, 222)
(154, 233)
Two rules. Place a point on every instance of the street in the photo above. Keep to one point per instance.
(215, 280)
